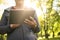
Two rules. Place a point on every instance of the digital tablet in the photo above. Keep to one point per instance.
(18, 16)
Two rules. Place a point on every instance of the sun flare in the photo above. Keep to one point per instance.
(27, 3)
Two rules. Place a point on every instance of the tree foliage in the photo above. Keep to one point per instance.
(51, 21)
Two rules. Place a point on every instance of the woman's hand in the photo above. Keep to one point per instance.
(13, 26)
(31, 22)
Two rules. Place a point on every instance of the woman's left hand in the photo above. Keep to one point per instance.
(31, 22)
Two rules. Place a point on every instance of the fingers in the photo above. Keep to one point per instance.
(32, 18)
(31, 23)
(14, 25)
(27, 21)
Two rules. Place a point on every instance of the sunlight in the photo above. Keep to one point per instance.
(27, 3)
(33, 5)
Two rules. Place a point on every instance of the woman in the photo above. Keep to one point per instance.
(16, 31)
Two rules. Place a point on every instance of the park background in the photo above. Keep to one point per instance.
(48, 12)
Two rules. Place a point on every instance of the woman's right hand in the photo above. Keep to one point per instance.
(13, 26)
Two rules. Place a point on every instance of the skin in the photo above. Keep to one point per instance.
(32, 22)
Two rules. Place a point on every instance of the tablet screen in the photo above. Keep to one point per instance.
(18, 16)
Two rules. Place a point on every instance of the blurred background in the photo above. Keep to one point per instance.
(48, 12)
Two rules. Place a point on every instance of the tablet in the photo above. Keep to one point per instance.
(18, 16)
